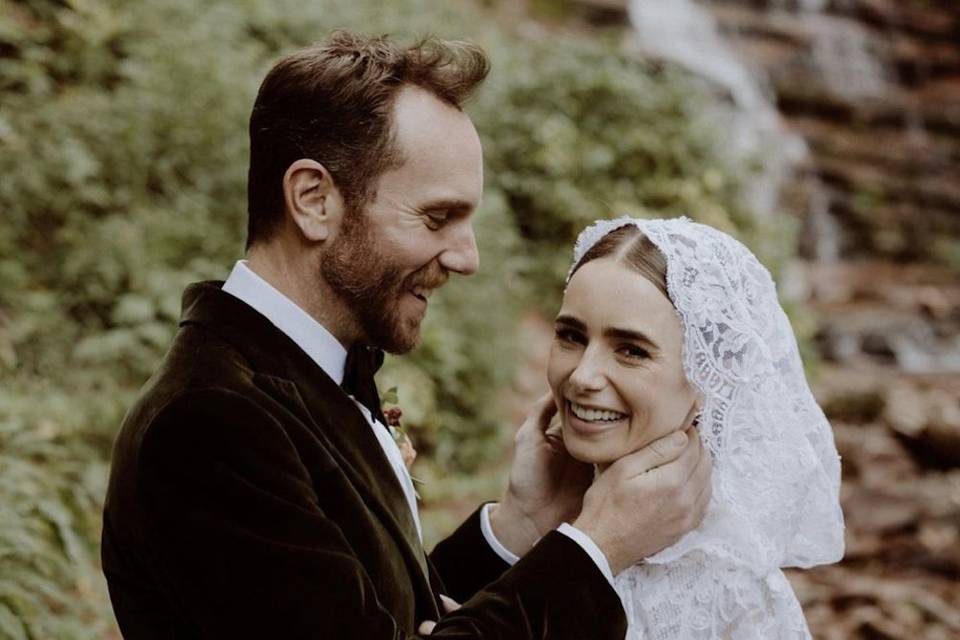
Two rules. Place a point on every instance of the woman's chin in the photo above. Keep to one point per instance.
(588, 452)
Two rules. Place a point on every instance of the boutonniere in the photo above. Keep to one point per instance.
(393, 415)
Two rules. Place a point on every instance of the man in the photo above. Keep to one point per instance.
(253, 496)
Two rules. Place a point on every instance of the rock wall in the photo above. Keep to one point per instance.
(873, 86)
(873, 89)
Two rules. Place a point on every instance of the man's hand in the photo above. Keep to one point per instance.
(449, 605)
(648, 500)
(546, 485)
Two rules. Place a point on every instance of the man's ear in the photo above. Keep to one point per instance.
(312, 200)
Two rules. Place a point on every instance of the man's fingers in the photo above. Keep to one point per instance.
(702, 477)
(656, 454)
(702, 502)
(449, 604)
(693, 456)
(697, 483)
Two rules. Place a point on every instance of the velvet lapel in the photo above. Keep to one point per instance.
(301, 385)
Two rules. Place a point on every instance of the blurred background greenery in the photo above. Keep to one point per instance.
(123, 156)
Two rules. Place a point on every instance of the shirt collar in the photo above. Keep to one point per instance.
(311, 336)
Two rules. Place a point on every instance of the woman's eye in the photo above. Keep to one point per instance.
(634, 352)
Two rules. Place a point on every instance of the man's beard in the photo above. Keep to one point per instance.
(372, 285)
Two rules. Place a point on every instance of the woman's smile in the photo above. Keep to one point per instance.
(590, 420)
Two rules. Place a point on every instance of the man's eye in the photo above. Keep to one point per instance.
(437, 219)
(569, 336)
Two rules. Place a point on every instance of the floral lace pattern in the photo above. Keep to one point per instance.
(776, 476)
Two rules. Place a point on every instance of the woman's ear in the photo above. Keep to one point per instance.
(696, 409)
(312, 200)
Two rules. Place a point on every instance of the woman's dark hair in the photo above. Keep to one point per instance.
(633, 248)
(333, 103)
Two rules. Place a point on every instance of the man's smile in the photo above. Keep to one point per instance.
(423, 293)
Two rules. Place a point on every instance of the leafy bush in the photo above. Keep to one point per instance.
(578, 132)
(52, 489)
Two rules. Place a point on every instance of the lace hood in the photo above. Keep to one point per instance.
(776, 475)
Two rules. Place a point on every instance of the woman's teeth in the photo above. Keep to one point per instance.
(595, 415)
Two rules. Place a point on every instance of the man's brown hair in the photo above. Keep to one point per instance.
(333, 103)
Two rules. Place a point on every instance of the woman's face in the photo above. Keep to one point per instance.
(616, 368)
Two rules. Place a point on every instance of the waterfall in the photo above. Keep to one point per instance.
(684, 33)
(823, 230)
(843, 53)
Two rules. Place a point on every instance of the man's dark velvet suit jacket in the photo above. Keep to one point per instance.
(249, 498)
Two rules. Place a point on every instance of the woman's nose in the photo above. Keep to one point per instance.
(589, 374)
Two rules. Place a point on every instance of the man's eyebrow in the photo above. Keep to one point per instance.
(629, 334)
(570, 321)
(448, 204)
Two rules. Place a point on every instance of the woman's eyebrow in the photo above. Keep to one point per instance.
(628, 334)
(570, 321)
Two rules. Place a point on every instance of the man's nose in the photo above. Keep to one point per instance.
(461, 255)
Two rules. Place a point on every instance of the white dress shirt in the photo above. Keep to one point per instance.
(331, 356)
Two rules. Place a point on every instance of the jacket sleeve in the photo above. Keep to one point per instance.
(238, 539)
(465, 562)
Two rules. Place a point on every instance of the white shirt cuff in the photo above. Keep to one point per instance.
(505, 554)
(590, 547)
(570, 531)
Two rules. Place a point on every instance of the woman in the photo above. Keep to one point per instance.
(670, 322)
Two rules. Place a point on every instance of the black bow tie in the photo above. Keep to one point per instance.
(361, 365)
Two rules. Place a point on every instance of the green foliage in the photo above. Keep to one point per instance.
(578, 132)
(52, 487)
(946, 251)
(123, 153)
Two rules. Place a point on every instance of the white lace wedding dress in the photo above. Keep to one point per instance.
(776, 474)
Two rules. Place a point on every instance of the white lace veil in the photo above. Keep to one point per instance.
(776, 474)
